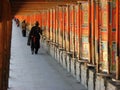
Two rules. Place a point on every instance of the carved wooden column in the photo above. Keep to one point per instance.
(4, 59)
(97, 36)
(5, 37)
(118, 39)
(48, 25)
(64, 43)
(80, 30)
(5, 29)
(54, 25)
(92, 51)
(68, 27)
(89, 25)
(77, 28)
(72, 29)
(1, 44)
(9, 33)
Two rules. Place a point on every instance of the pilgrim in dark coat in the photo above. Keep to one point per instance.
(34, 38)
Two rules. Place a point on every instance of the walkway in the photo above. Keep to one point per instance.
(36, 72)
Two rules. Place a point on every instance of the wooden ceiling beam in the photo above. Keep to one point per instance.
(43, 0)
(31, 9)
(37, 4)
(25, 7)
(25, 13)
(34, 6)
(31, 6)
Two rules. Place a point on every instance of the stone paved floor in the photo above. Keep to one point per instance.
(36, 72)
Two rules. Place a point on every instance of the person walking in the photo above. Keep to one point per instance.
(24, 28)
(34, 38)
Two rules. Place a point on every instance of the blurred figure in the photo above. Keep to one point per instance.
(24, 28)
(34, 38)
(17, 21)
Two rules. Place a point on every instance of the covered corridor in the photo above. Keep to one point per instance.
(36, 72)
(81, 36)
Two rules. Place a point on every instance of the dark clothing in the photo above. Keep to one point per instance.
(34, 38)
(17, 22)
(24, 29)
(24, 33)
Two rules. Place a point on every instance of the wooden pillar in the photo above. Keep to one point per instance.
(67, 28)
(1, 45)
(104, 29)
(59, 39)
(80, 29)
(92, 51)
(9, 33)
(64, 41)
(118, 39)
(72, 29)
(51, 24)
(64, 28)
(44, 21)
(60, 27)
(97, 37)
(84, 30)
(90, 34)
(112, 37)
(5, 52)
(48, 25)
(77, 24)
(61, 13)
(45, 34)
(56, 25)
(68, 15)
(39, 19)
(4, 25)
(108, 32)
(5, 37)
